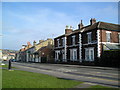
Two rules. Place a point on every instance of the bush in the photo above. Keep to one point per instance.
(110, 58)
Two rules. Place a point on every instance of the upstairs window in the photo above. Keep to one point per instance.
(63, 41)
(58, 42)
(89, 38)
(73, 40)
(108, 36)
(119, 37)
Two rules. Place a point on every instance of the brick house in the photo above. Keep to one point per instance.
(31, 53)
(97, 37)
(60, 44)
(73, 47)
(87, 43)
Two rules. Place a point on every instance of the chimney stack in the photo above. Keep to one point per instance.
(23, 46)
(80, 25)
(68, 30)
(40, 41)
(92, 21)
(34, 43)
(28, 43)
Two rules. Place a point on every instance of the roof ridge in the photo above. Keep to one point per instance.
(109, 23)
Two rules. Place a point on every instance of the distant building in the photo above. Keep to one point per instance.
(8, 54)
(0, 54)
(30, 53)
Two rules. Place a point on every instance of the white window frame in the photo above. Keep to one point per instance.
(63, 54)
(63, 41)
(73, 53)
(56, 55)
(108, 32)
(89, 37)
(58, 42)
(118, 37)
(88, 53)
(73, 40)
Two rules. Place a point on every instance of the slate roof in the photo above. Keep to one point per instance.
(103, 25)
(97, 25)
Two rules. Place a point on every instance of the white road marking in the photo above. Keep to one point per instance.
(66, 70)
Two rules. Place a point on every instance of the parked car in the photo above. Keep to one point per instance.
(13, 60)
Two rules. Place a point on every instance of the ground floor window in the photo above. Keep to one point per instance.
(89, 54)
(57, 55)
(63, 54)
(73, 54)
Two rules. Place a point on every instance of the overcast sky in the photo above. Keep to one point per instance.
(29, 21)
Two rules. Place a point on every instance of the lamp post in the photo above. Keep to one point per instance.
(9, 66)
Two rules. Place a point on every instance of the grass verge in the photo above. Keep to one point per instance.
(24, 79)
(6, 66)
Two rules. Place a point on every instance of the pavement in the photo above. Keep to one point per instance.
(88, 74)
(77, 66)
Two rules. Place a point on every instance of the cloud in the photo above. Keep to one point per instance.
(20, 27)
(108, 13)
(45, 23)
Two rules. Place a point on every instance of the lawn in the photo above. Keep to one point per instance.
(6, 66)
(23, 79)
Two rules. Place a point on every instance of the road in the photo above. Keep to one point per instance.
(91, 74)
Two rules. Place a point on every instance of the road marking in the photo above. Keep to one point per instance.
(90, 83)
(66, 70)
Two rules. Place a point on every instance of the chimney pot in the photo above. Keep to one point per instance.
(67, 26)
(80, 25)
(34, 43)
(68, 30)
(92, 21)
(40, 41)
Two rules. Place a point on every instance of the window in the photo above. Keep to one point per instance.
(55, 55)
(63, 55)
(108, 36)
(73, 40)
(63, 41)
(58, 42)
(73, 54)
(89, 37)
(86, 54)
(89, 54)
(119, 37)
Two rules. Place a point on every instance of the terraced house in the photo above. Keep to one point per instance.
(87, 43)
(36, 52)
